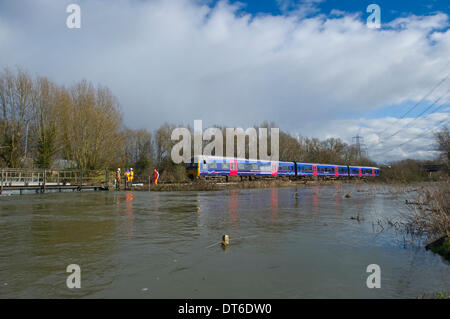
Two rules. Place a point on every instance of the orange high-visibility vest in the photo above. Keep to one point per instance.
(155, 177)
(118, 175)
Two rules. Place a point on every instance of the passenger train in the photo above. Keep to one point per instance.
(214, 166)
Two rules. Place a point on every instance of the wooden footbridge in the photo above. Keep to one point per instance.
(24, 181)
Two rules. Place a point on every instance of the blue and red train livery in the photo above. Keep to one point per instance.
(212, 166)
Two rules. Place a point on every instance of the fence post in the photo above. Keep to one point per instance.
(149, 182)
(81, 179)
(43, 184)
(1, 186)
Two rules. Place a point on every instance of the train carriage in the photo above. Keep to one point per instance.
(362, 171)
(330, 170)
(211, 166)
(227, 166)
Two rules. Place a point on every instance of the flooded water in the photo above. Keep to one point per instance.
(165, 245)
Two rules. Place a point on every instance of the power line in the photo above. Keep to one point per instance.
(436, 109)
(421, 100)
(423, 112)
(411, 139)
(429, 93)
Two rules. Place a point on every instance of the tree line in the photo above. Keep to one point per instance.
(46, 125)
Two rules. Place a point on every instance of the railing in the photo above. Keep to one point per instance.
(42, 179)
(18, 177)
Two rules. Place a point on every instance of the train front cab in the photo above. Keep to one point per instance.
(193, 169)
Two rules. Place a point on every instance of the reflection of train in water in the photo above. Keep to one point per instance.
(215, 166)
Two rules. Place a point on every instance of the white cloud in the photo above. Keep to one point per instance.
(181, 60)
(299, 8)
(389, 139)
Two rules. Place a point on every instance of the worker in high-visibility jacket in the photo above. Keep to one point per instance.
(118, 179)
(155, 176)
(127, 177)
(131, 176)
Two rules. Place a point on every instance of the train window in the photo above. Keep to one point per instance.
(241, 166)
(248, 167)
(191, 165)
(255, 167)
(212, 165)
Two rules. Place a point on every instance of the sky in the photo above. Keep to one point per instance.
(313, 67)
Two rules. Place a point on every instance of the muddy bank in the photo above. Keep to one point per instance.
(213, 186)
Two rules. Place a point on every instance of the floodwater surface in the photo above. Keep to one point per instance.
(284, 243)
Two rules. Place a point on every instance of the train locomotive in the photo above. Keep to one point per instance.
(215, 167)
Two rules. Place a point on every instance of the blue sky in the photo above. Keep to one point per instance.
(312, 67)
(390, 9)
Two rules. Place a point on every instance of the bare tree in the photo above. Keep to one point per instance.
(139, 150)
(443, 143)
(45, 121)
(16, 91)
(91, 124)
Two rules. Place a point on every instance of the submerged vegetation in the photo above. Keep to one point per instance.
(428, 216)
(430, 210)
